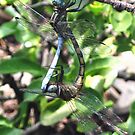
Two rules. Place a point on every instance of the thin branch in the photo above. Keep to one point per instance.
(120, 5)
(2, 99)
(32, 129)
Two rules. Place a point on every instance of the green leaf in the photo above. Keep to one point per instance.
(15, 65)
(5, 122)
(27, 52)
(131, 120)
(27, 36)
(5, 2)
(123, 44)
(35, 84)
(98, 66)
(96, 7)
(7, 29)
(10, 1)
(121, 21)
(54, 112)
(10, 131)
(110, 77)
(96, 82)
(104, 70)
(20, 120)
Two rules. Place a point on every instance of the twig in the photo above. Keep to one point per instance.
(32, 129)
(36, 111)
(120, 5)
(31, 105)
(126, 76)
(6, 98)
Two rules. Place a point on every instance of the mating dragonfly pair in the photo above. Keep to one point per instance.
(71, 93)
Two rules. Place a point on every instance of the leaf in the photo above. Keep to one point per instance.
(27, 52)
(98, 66)
(131, 120)
(54, 112)
(35, 84)
(15, 65)
(6, 2)
(121, 21)
(123, 44)
(25, 35)
(96, 82)
(101, 73)
(10, 131)
(20, 119)
(5, 122)
(7, 29)
(10, 1)
(96, 7)
(110, 77)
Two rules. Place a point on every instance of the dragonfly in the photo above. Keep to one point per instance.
(59, 24)
(71, 93)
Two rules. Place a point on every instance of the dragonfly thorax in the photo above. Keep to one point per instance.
(65, 92)
(58, 21)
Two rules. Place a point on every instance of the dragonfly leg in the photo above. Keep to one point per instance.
(61, 73)
(75, 9)
(56, 73)
(59, 76)
(69, 4)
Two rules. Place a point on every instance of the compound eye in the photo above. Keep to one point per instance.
(52, 88)
(58, 3)
(54, 3)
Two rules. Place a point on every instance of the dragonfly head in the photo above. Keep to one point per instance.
(52, 88)
(58, 3)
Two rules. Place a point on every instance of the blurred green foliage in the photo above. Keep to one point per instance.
(100, 73)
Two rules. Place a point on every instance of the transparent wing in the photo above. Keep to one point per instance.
(39, 92)
(92, 114)
(32, 20)
(90, 108)
(79, 4)
(84, 32)
(37, 23)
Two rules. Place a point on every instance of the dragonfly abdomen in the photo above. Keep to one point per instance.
(79, 80)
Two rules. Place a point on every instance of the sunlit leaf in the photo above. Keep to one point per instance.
(10, 131)
(7, 29)
(131, 120)
(121, 21)
(100, 65)
(96, 82)
(54, 112)
(96, 7)
(27, 53)
(20, 120)
(5, 122)
(15, 65)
